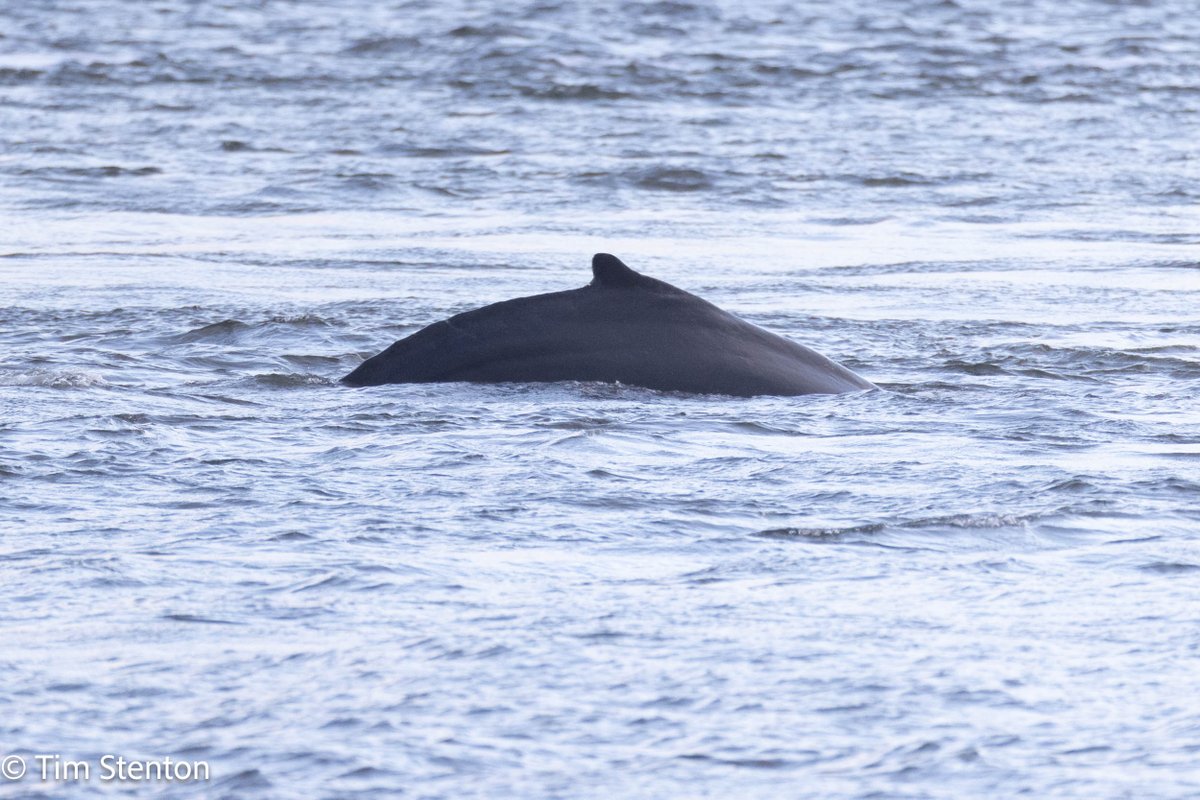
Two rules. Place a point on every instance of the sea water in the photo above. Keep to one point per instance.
(981, 580)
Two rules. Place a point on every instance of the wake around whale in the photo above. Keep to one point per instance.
(623, 327)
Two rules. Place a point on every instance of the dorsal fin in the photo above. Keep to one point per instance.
(608, 270)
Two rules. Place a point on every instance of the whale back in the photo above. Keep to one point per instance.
(623, 327)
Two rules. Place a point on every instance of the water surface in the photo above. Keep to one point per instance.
(979, 581)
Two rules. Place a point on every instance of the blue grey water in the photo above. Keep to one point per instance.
(982, 580)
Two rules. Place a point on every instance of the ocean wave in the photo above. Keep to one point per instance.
(293, 380)
(224, 331)
(54, 379)
(672, 179)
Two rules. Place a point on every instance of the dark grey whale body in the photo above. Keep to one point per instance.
(622, 327)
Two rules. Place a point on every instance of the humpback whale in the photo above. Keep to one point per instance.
(623, 327)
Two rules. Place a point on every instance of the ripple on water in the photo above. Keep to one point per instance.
(53, 379)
